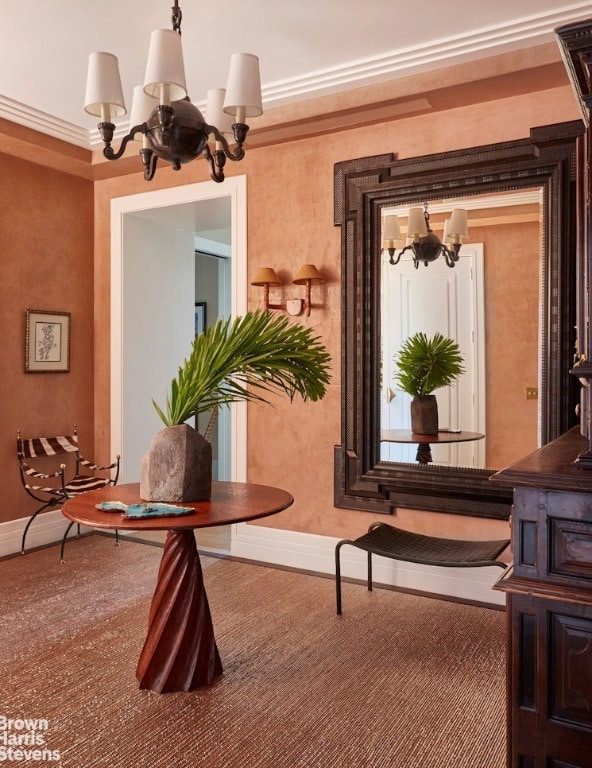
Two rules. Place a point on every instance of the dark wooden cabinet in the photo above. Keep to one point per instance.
(549, 603)
(575, 41)
(549, 587)
(551, 669)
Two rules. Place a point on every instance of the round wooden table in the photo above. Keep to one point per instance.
(424, 452)
(180, 651)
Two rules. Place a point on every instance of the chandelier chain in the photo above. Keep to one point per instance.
(176, 17)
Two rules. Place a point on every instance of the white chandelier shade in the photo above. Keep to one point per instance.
(104, 94)
(391, 232)
(243, 90)
(142, 107)
(457, 226)
(215, 114)
(416, 224)
(165, 69)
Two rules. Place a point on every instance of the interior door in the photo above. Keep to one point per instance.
(433, 299)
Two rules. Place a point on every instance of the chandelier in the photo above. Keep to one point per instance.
(425, 246)
(162, 117)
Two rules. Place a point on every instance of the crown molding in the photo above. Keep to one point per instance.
(514, 198)
(489, 41)
(525, 32)
(21, 114)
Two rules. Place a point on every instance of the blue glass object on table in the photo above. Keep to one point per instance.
(144, 511)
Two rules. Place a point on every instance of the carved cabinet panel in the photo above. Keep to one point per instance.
(570, 641)
(549, 602)
(551, 683)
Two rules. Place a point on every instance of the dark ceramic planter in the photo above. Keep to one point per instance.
(424, 415)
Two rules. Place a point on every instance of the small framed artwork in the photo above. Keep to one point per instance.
(47, 341)
(200, 317)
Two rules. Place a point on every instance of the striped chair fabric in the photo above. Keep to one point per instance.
(59, 489)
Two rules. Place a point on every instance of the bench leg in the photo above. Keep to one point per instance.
(338, 575)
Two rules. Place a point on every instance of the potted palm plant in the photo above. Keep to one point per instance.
(244, 359)
(424, 365)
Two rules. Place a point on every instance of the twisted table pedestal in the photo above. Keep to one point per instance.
(180, 652)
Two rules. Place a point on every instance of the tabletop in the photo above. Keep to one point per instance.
(407, 436)
(230, 503)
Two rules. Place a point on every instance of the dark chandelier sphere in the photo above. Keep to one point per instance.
(183, 138)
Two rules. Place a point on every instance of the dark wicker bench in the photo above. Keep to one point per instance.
(388, 541)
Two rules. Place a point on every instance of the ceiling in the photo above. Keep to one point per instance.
(307, 49)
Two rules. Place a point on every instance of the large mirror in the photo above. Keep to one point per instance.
(538, 176)
(497, 394)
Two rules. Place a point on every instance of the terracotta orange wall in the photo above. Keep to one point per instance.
(46, 258)
(290, 221)
(512, 271)
(47, 262)
(512, 281)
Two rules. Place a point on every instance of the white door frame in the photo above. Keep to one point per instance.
(234, 187)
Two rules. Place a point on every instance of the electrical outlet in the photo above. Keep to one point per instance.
(532, 393)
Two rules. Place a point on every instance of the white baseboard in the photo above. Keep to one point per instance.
(210, 541)
(311, 552)
(47, 528)
(303, 551)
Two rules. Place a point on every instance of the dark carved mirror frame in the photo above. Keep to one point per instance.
(362, 188)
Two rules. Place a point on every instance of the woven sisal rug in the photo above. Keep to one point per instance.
(398, 680)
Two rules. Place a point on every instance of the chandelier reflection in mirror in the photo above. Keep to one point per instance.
(423, 244)
(162, 117)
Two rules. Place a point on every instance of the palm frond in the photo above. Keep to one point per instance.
(426, 364)
(247, 358)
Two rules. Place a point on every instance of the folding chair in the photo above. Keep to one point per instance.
(58, 488)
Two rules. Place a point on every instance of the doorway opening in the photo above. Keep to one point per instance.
(155, 286)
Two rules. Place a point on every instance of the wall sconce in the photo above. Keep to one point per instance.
(308, 275)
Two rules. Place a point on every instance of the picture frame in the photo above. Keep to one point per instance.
(47, 341)
(200, 317)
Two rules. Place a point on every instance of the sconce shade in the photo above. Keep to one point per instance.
(416, 224)
(266, 276)
(243, 89)
(165, 66)
(306, 273)
(104, 94)
(458, 224)
(142, 107)
(215, 114)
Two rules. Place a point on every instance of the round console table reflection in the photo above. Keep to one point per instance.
(424, 442)
(180, 651)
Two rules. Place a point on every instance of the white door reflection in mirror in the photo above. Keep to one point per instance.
(450, 301)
